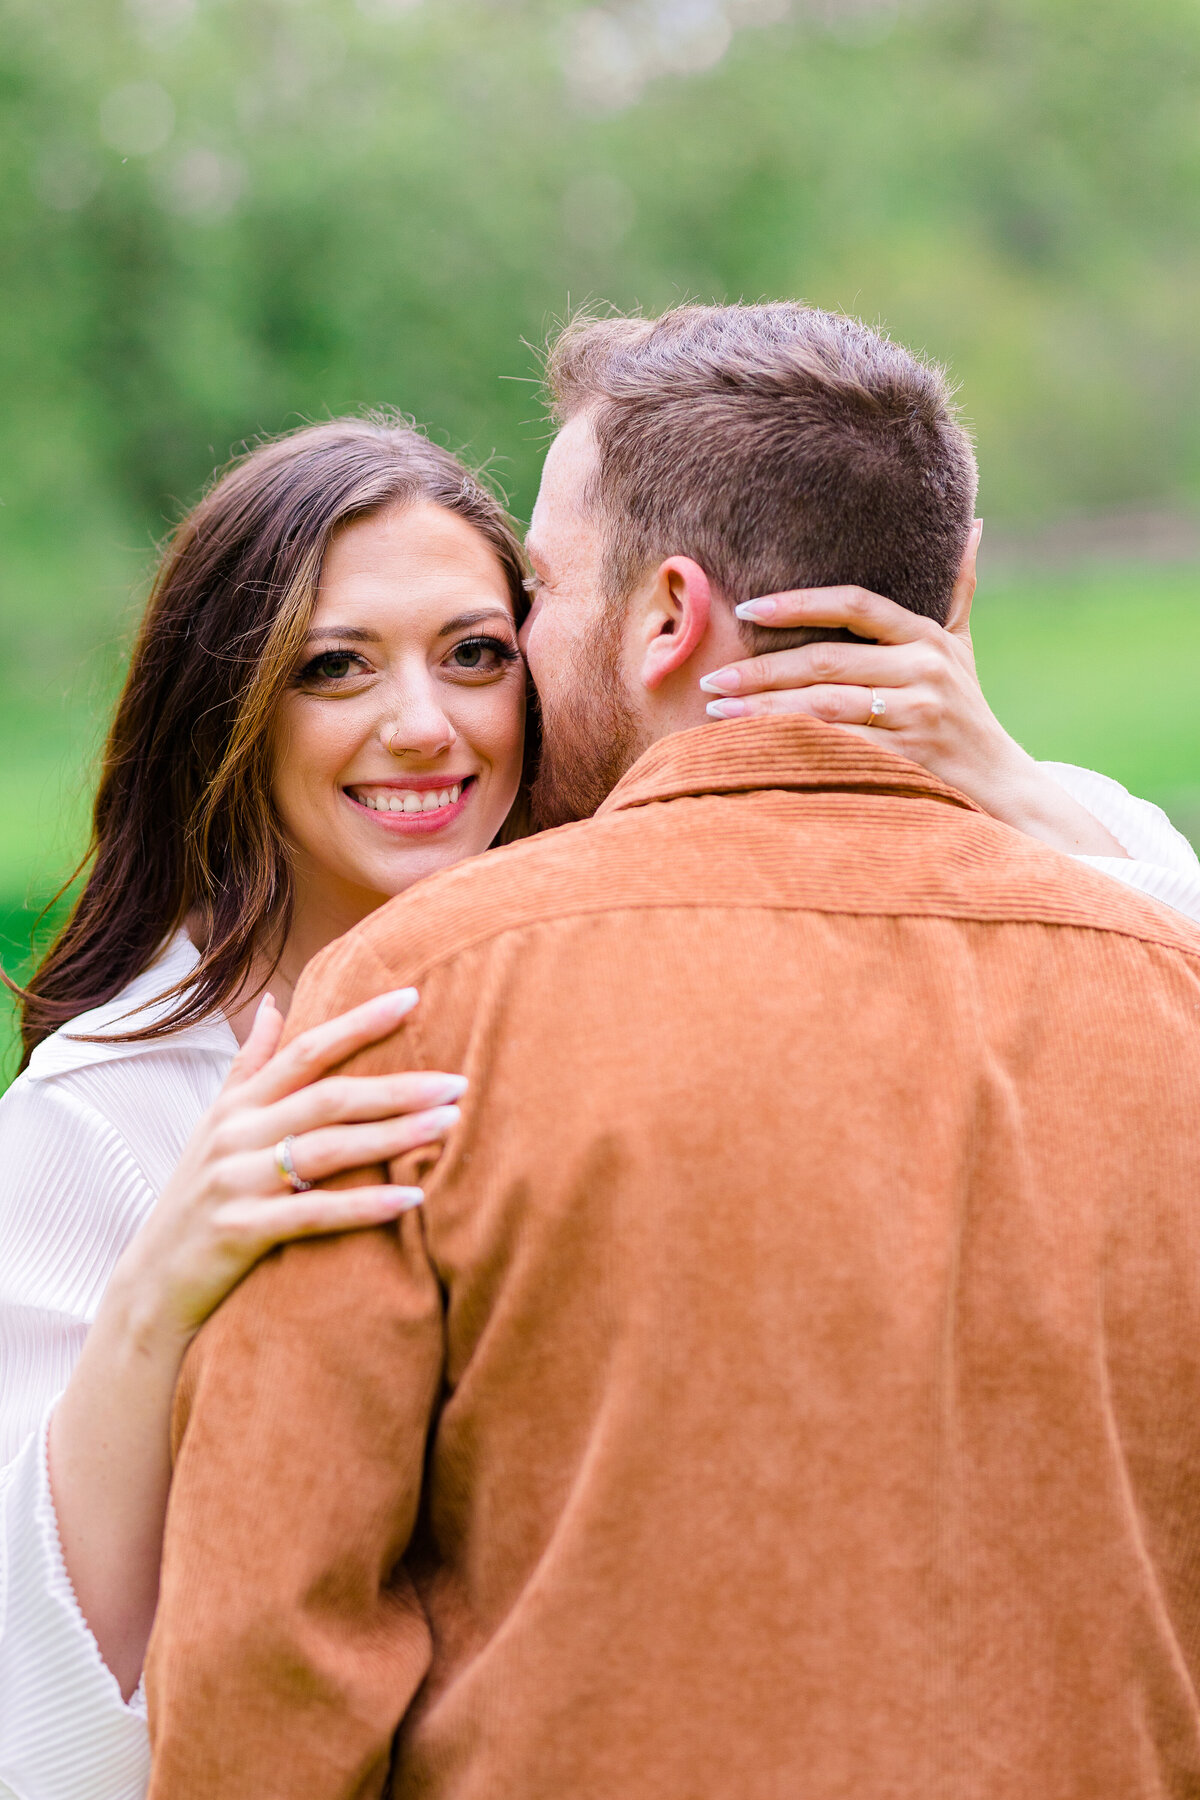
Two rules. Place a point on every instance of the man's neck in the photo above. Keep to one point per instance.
(681, 703)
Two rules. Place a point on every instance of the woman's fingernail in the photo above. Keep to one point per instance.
(721, 681)
(756, 609)
(400, 1000)
(726, 709)
(267, 1000)
(441, 1119)
(452, 1088)
(404, 1199)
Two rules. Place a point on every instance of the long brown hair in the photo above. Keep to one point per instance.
(184, 826)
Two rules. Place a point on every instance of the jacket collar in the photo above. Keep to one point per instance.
(739, 756)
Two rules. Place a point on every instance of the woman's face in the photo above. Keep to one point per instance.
(398, 747)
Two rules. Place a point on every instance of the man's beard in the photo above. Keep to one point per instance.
(590, 732)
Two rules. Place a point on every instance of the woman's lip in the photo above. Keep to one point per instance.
(420, 784)
(406, 824)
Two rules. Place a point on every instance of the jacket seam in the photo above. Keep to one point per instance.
(494, 934)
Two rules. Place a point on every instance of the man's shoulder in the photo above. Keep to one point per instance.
(503, 890)
(998, 875)
(823, 854)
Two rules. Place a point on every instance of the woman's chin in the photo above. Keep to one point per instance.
(391, 860)
(415, 858)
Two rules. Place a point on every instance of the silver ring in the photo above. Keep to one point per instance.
(287, 1168)
(877, 708)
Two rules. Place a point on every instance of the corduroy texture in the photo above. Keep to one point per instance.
(791, 1385)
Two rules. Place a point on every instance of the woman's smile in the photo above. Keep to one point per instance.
(417, 803)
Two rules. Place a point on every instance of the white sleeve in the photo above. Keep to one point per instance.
(65, 1732)
(1159, 861)
(70, 1198)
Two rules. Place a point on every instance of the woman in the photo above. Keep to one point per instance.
(326, 702)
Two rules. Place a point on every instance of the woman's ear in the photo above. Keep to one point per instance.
(958, 619)
(674, 619)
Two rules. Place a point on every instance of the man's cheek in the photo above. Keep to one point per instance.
(531, 618)
(534, 643)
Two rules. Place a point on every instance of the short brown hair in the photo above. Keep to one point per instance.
(778, 445)
(184, 823)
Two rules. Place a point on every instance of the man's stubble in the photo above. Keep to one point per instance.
(590, 732)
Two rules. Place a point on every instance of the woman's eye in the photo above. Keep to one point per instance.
(334, 665)
(482, 655)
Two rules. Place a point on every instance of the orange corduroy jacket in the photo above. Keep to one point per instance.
(790, 1388)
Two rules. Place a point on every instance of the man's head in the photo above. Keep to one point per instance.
(711, 455)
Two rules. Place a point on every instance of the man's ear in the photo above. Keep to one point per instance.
(673, 619)
(958, 619)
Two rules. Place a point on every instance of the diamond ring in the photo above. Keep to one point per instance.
(287, 1168)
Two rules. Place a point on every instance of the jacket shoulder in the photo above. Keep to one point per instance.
(828, 854)
(503, 890)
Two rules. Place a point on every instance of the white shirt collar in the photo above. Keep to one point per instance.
(137, 1005)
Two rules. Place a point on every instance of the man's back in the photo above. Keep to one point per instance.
(805, 1320)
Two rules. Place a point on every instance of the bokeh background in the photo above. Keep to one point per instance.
(222, 217)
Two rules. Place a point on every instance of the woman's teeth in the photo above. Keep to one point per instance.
(407, 800)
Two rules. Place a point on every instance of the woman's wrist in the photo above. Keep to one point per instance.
(136, 1312)
(1026, 796)
(110, 1469)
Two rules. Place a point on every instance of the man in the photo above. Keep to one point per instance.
(791, 1385)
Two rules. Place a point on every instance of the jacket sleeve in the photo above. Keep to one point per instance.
(289, 1640)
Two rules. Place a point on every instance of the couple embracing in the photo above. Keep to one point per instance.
(775, 1365)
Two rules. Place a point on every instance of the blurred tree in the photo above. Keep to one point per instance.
(222, 217)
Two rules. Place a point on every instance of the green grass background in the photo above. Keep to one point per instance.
(1100, 667)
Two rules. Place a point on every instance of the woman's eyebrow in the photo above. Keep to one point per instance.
(359, 634)
(465, 620)
(356, 633)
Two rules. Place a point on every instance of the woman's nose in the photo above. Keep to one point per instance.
(416, 725)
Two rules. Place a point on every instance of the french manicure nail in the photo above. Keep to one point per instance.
(726, 709)
(756, 609)
(452, 1088)
(721, 681)
(442, 1118)
(404, 1198)
(401, 1000)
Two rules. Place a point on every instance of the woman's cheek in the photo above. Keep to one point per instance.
(315, 745)
(507, 733)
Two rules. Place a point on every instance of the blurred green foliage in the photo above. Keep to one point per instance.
(221, 217)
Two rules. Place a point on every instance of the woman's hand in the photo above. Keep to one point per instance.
(923, 673)
(929, 706)
(228, 1201)
(225, 1206)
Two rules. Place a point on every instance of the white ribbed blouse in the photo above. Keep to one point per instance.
(88, 1136)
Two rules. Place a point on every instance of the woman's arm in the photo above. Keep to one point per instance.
(915, 680)
(934, 708)
(226, 1206)
(79, 1566)
(65, 1733)
(1158, 859)
(935, 712)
